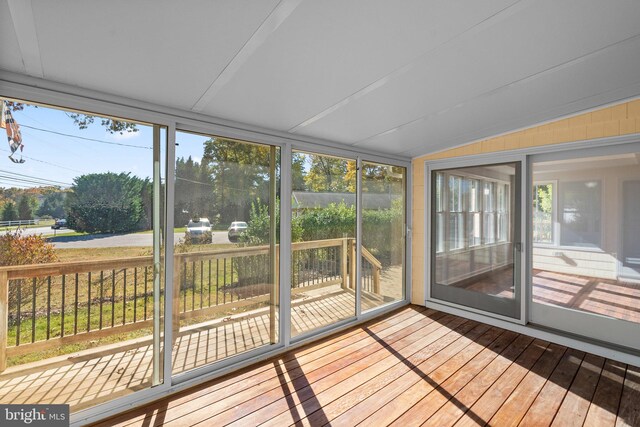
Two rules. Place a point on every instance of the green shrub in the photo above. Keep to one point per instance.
(334, 221)
(19, 249)
(106, 202)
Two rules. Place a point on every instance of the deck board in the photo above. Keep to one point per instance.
(412, 367)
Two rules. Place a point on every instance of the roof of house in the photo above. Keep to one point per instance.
(314, 200)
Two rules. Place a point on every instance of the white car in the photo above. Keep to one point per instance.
(199, 231)
(236, 229)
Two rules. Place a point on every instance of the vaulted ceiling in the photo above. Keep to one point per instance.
(402, 77)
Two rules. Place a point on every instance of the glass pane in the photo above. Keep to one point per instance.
(594, 264)
(226, 201)
(580, 204)
(543, 213)
(483, 266)
(323, 221)
(81, 200)
(383, 242)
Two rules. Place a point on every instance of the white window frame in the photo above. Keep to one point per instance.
(36, 91)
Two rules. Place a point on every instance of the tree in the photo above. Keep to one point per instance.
(382, 178)
(297, 172)
(9, 212)
(259, 225)
(52, 205)
(328, 174)
(24, 208)
(194, 192)
(240, 173)
(106, 202)
(84, 120)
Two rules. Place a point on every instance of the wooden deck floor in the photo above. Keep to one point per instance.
(97, 375)
(613, 298)
(413, 367)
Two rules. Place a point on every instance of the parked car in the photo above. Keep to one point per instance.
(236, 229)
(198, 231)
(59, 223)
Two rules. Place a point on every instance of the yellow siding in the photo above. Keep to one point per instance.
(621, 119)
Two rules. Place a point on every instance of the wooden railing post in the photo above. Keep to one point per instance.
(4, 318)
(175, 318)
(345, 254)
(352, 276)
(376, 280)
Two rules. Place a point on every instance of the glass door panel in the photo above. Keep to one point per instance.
(323, 230)
(83, 205)
(585, 274)
(225, 292)
(475, 224)
(383, 234)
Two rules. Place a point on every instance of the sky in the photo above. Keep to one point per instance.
(54, 153)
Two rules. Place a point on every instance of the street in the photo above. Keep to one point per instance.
(108, 240)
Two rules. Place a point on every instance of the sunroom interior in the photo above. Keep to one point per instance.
(317, 213)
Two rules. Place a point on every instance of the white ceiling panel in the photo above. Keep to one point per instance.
(328, 50)
(607, 76)
(10, 56)
(404, 77)
(159, 51)
(517, 47)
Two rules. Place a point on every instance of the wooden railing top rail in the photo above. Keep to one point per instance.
(60, 268)
(369, 257)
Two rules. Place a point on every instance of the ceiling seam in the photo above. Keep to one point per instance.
(480, 26)
(24, 26)
(268, 26)
(500, 89)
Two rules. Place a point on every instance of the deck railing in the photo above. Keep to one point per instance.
(48, 305)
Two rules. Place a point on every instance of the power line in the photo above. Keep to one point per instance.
(46, 163)
(29, 182)
(195, 182)
(15, 185)
(87, 139)
(33, 177)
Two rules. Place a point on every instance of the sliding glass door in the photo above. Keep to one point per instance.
(383, 235)
(323, 236)
(81, 257)
(225, 282)
(475, 237)
(585, 276)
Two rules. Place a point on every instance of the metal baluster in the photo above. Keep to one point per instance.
(224, 281)
(193, 285)
(209, 283)
(184, 275)
(217, 281)
(89, 303)
(75, 315)
(124, 296)
(113, 298)
(33, 310)
(145, 292)
(19, 282)
(101, 296)
(201, 282)
(135, 294)
(64, 281)
(48, 307)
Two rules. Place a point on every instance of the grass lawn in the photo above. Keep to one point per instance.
(92, 302)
